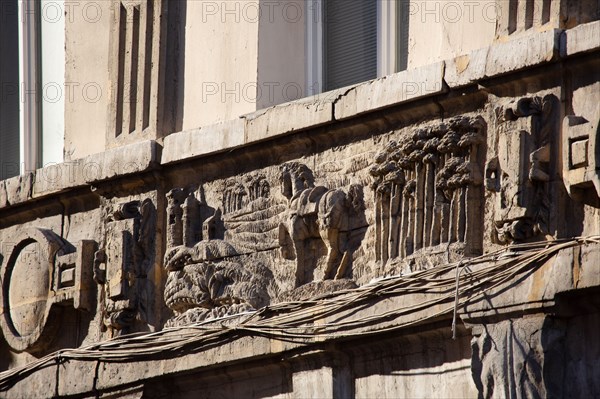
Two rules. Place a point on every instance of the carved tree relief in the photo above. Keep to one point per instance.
(428, 189)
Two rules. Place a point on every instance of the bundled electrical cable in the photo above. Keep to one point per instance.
(304, 321)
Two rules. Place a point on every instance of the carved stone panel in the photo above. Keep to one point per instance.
(42, 271)
(581, 147)
(428, 189)
(519, 170)
(122, 265)
(317, 213)
(222, 259)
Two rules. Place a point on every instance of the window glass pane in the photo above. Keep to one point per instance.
(9, 89)
(350, 42)
(402, 18)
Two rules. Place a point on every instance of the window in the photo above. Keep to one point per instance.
(32, 84)
(352, 41)
(9, 99)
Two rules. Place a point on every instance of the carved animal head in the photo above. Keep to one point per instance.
(212, 284)
(295, 177)
(210, 275)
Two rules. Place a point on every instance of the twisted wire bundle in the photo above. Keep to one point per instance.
(303, 321)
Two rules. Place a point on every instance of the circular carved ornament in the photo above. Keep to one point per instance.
(26, 280)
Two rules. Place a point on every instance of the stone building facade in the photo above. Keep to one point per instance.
(433, 232)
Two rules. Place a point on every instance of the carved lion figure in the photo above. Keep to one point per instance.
(208, 280)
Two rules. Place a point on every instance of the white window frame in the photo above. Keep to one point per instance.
(387, 26)
(36, 145)
(29, 112)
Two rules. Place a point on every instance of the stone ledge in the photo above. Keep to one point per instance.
(501, 58)
(289, 117)
(390, 90)
(498, 59)
(250, 128)
(205, 140)
(56, 178)
(580, 39)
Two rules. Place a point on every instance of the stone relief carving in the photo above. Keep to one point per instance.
(214, 255)
(514, 358)
(207, 277)
(581, 147)
(122, 266)
(41, 272)
(209, 281)
(518, 176)
(317, 213)
(427, 189)
(251, 215)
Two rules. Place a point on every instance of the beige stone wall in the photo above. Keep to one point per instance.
(87, 29)
(341, 236)
(220, 67)
(440, 30)
(281, 52)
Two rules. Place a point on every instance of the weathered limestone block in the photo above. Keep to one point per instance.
(581, 145)
(390, 90)
(3, 194)
(582, 38)
(19, 188)
(204, 140)
(290, 117)
(517, 54)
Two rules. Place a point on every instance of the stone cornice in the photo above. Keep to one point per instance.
(443, 78)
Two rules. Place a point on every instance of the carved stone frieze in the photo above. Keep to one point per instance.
(42, 271)
(427, 189)
(316, 212)
(517, 175)
(122, 265)
(206, 277)
(209, 280)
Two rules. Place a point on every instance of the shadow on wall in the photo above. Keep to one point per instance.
(571, 346)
